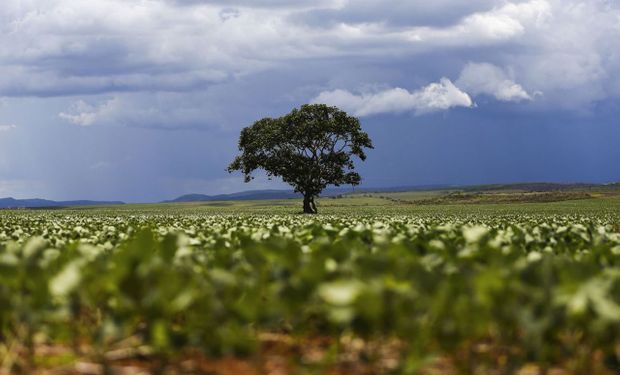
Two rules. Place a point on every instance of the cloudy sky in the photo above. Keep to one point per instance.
(143, 100)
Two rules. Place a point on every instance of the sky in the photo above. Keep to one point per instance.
(143, 100)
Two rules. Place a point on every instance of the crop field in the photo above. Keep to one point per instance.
(369, 286)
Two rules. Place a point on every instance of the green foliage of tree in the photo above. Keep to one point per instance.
(309, 148)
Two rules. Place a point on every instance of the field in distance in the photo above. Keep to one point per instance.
(541, 198)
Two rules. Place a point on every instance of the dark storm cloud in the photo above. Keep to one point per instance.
(63, 48)
(255, 3)
(396, 13)
(26, 82)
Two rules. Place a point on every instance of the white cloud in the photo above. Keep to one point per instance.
(84, 114)
(6, 128)
(488, 79)
(573, 59)
(154, 110)
(438, 96)
(500, 24)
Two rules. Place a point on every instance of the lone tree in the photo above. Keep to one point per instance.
(309, 148)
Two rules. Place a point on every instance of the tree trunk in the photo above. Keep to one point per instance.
(312, 205)
(309, 206)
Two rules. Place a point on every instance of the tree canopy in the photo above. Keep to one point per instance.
(310, 148)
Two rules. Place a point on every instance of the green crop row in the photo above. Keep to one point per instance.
(514, 288)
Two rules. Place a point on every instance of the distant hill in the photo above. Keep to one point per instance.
(540, 187)
(289, 194)
(44, 203)
(241, 196)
